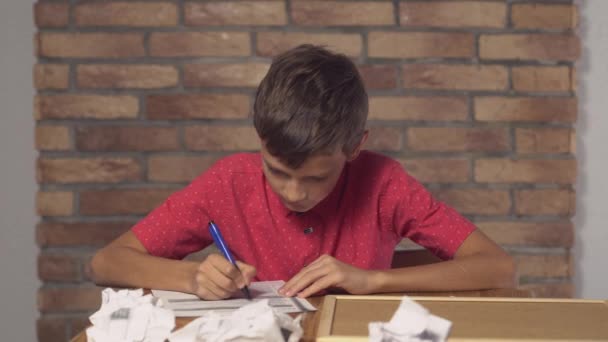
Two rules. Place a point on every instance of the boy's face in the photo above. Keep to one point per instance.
(303, 188)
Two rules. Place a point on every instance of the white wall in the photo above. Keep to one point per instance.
(18, 251)
(591, 221)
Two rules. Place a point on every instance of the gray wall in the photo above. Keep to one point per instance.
(18, 251)
(591, 221)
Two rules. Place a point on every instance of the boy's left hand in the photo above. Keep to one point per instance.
(326, 272)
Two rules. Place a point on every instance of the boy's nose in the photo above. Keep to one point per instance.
(294, 192)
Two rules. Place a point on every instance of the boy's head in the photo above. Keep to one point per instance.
(311, 101)
(310, 113)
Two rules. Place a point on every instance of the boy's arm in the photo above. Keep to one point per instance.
(473, 260)
(479, 263)
(149, 254)
(125, 262)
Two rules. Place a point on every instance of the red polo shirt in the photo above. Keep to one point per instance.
(373, 206)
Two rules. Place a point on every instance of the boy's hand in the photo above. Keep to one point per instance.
(327, 272)
(216, 278)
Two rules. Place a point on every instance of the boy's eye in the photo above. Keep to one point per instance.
(277, 172)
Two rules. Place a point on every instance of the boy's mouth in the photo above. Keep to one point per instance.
(299, 207)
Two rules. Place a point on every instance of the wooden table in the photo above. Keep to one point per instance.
(311, 319)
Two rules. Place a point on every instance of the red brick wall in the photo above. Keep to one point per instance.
(476, 98)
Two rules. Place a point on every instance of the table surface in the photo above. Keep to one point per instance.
(311, 319)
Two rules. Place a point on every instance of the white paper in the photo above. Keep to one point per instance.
(256, 321)
(410, 323)
(188, 305)
(127, 316)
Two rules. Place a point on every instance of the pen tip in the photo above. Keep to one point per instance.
(247, 293)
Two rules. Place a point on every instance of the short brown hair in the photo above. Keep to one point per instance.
(311, 100)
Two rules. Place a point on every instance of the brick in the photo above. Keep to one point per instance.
(131, 14)
(51, 329)
(384, 139)
(55, 203)
(87, 271)
(86, 107)
(53, 138)
(121, 202)
(58, 267)
(126, 76)
(78, 323)
(543, 140)
(273, 43)
(545, 202)
(525, 171)
(265, 13)
(69, 299)
(419, 108)
(458, 139)
(529, 109)
(476, 201)
(200, 44)
(420, 44)
(457, 77)
(542, 79)
(378, 76)
(543, 16)
(88, 170)
(126, 138)
(536, 234)
(51, 76)
(438, 170)
(550, 290)
(197, 106)
(167, 168)
(79, 234)
(221, 138)
(543, 265)
(529, 47)
(338, 13)
(453, 14)
(90, 45)
(51, 14)
(224, 75)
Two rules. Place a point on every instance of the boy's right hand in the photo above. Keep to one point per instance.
(216, 278)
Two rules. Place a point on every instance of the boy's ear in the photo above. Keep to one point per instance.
(355, 153)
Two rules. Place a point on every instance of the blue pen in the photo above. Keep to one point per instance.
(219, 242)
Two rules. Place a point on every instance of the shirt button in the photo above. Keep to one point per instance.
(308, 231)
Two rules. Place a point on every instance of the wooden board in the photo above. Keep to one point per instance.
(345, 318)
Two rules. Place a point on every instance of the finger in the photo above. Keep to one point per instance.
(305, 280)
(321, 259)
(219, 278)
(310, 267)
(319, 285)
(248, 272)
(224, 266)
(209, 272)
(207, 289)
(316, 265)
(215, 292)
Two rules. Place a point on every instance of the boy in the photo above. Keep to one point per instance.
(311, 208)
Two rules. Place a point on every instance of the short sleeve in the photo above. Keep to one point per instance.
(178, 226)
(413, 213)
